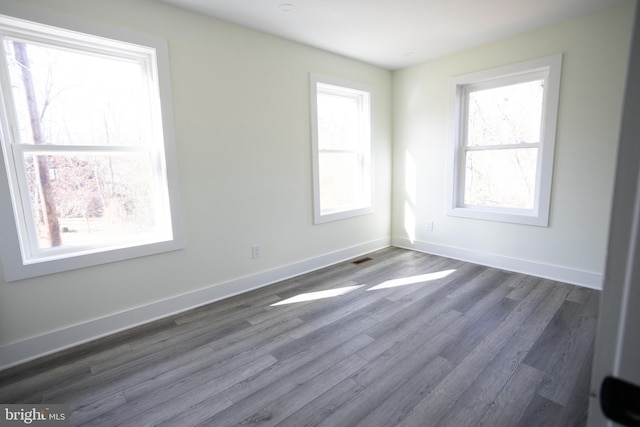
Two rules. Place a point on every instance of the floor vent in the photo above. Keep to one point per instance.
(361, 260)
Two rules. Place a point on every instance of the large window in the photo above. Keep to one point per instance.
(341, 149)
(504, 142)
(85, 150)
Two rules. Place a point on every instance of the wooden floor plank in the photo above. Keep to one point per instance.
(397, 355)
(395, 407)
(549, 346)
(83, 414)
(559, 381)
(574, 413)
(545, 312)
(106, 383)
(277, 410)
(406, 332)
(422, 341)
(522, 285)
(509, 406)
(179, 396)
(486, 388)
(324, 405)
(476, 329)
(292, 368)
(388, 379)
(251, 399)
(428, 411)
(541, 412)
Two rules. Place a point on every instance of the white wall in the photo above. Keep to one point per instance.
(573, 247)
(241, 103)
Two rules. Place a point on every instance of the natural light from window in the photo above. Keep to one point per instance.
(503, 136)
(312, 296)
(392, 283)
(89, 152)
(84, 144)
(412, 280)
(504, 130)
(341, 149)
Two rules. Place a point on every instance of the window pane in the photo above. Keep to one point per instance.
(342, 145)
(341, 181)
(80, 98)
(99, 199)
(338, 122)
(505, 115)
(501, 178)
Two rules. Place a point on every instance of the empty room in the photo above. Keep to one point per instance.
(318, 213)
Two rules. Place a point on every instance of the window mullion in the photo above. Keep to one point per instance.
(339, 151)
(80, 149)
(501, 146)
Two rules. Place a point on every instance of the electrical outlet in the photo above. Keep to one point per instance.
(430, 226)
(256, 251)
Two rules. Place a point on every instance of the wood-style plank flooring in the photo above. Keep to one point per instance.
(404, 339)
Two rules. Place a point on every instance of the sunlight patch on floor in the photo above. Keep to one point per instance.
(412, 280)
(329, 293)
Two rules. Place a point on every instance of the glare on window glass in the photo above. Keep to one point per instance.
(341, 182)
(100, 200)
(340, 144)
(92, 190)
(505, 115)
(501, 178)
(338, 120)
(80, 98)
(502, 133)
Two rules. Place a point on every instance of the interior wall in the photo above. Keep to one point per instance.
(241, 111)
(573, 247)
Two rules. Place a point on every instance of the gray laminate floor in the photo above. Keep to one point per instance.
(403, 339)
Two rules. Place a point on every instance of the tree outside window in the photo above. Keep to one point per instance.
(504, 137)
(84, 143)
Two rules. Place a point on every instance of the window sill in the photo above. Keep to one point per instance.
(341, 214)
(501, 215)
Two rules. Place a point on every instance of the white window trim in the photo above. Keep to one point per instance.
(10, 250)
(550, 67)
(367, 208)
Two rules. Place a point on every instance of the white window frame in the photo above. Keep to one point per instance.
(365, 95)
(19, 260)
(548, 68)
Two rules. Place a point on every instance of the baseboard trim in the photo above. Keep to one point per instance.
(32, 348)
(547, 271)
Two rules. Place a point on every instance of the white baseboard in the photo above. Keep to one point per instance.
(32, 348)
(583, 278)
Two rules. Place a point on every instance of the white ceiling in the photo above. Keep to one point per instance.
(395, 33)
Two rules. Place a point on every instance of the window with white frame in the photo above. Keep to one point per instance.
(504, 137)
(341, 138)
(88, 156)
